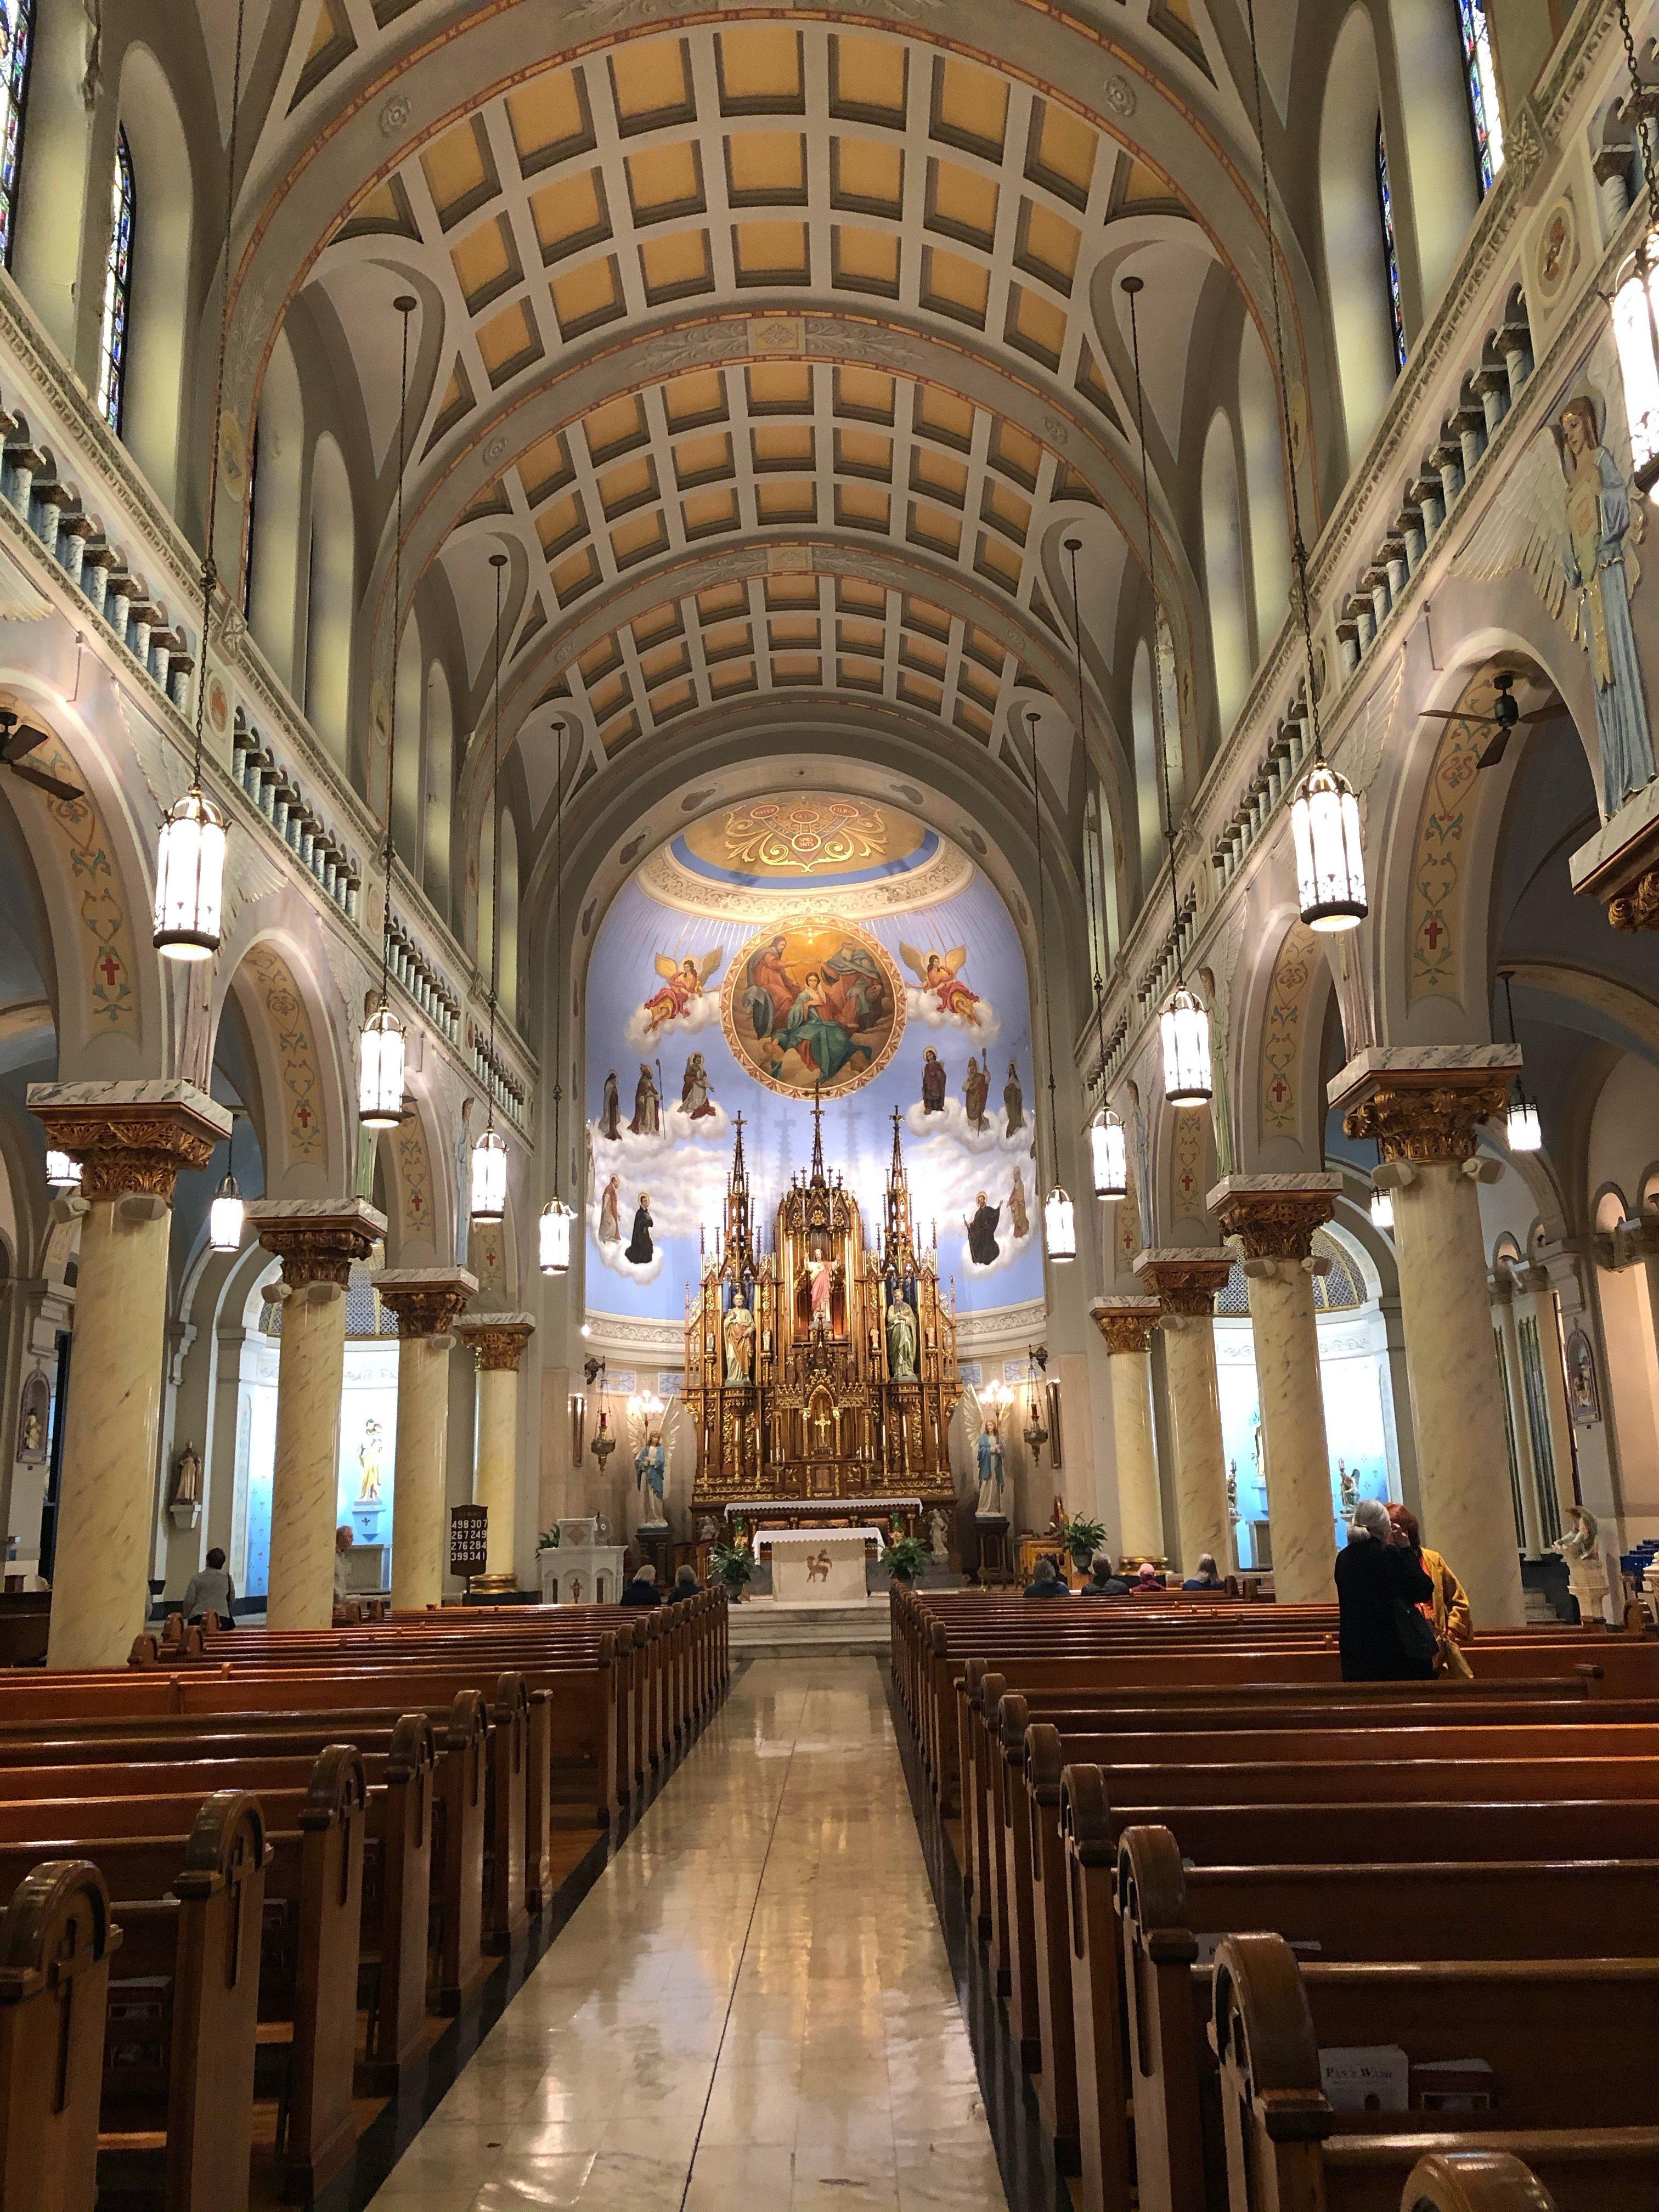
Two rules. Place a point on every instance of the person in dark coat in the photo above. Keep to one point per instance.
(642, 1590)
(1378, 1582)
(685, 1585)
(1045, 1580)
(1206, 1578)
(1104, 1580)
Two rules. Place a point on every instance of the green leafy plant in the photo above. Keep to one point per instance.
(732, 1567)
(904, 1557)
(548, 1540)
(1080, 1540)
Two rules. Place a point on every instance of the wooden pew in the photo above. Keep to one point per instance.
(1474, 2181)
(57, 1939)
(1568, 2040)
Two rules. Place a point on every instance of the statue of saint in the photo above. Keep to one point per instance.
(740, 1331)
(369, 1452)
(901, 1338)
(1580, 1546)
(988, 1464)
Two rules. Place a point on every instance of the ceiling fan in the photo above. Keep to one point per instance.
(1505, 718)
(17, 741)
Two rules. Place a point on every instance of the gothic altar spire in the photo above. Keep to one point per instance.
(739, 1244)
(818, 1177)
(899, 1251)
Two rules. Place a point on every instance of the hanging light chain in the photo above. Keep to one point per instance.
(1043, 946)
(210, 567)
(497, 561)
(559, 728)
(1132, 286)
(405, 306)
(1096, 919)
(1639, 98)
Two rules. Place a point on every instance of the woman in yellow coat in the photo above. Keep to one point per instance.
(1451, 1601)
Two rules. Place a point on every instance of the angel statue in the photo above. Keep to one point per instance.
(1580, 1546)
(939, 974)
(683, 982)
(1568, 522)
(985, 1435)
(650, 1429)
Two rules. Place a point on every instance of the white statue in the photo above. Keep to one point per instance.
(1580, 1546)
(985, 1441)
(939, 1531)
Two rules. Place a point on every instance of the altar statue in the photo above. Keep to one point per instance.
(739, 1332)
(821, 1282)
(901, 1338)
(985, 1433)
(653, 1440)
(369, 1454)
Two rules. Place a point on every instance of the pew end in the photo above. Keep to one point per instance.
(56, 1942)
(1474, 2181)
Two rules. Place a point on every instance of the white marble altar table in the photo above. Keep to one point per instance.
(817, 1566)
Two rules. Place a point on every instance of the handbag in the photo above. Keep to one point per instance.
(1418, 1639)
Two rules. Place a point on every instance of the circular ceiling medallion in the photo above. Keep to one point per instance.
(813, 1003)
(758, 859)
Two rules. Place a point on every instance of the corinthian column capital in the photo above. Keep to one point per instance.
(1126, 1324)
(1421, 1103)
(131, 1137)
(426, 1300)
(317, 1239)
(1185, 1278)
(1275, 1217)
(497, 1339)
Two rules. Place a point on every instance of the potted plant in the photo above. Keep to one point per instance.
(733, 1568)
(1080, 1540)
(904, 1557)
(548, 1540)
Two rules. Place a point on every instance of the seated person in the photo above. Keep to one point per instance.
(1104, 1580)
(1206, 1577)
(210, 1589)
(347, 1609)
(642, 1590)
(1148, 1580)
(685, 1585)
(1046, 1581)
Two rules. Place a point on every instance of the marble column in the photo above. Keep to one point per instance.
(426, 1301)
(1515, 1381)
(131, 1139)
(1421, 1104)
(1274, 1218)
(316, 1240)
(1126, 1326)
(497, 1339)
(1185, 1281)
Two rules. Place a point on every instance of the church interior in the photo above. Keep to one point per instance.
(828, 1106)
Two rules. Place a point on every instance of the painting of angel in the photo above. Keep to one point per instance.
(1566, 519)
(683, 982)
(939, 977)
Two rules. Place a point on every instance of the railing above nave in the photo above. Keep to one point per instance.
(1464, 398)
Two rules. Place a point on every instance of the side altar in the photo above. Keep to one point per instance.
(821, 1370)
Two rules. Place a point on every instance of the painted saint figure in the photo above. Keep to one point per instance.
(610, 1211)
(933, 1081)
(901, 1338)
(1598, 518)
(1019, 1219)
(739, 1333)
(817, 1031)
(610, 1112)
(975, 1090)
(768, 993)
(695, 1102)
(648, 1105)
(1014, 1100)
(640, 1250)
(982, 1226)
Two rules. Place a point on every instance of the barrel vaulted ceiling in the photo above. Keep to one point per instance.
(779, 347)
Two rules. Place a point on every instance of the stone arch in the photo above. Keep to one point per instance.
(411, 1158)
(304, 1106)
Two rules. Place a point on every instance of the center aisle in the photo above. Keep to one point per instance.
(752, 2008)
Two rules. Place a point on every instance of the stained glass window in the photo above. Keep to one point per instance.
(16, 49)
(1391, 248)
(118, 290)
(1481, 80)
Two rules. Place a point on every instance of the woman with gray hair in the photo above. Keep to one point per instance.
(1379, 1587)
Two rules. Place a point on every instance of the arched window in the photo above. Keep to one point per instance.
(117, 290)
(16, 49)
(1390, 247)
(1481, 78)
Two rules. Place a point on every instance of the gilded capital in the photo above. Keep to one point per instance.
(426, 1300)
(497, 1339)
(318, 1239)
(131, 1137)
(1185, 1280)
(1126, 1324)
(1422, 1103)
(1275, 1217)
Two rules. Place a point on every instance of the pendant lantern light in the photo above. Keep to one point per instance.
(1109, 1155)
(556, 1216)
(1058, 1215)
(1381, 1203)
(383, 1047)
(190, 851)
(488, 1201)
(1330, 861)
(1184, 1025)
(1522, 1129)
(1636, 295)
(62, 1172)
(225, 1214)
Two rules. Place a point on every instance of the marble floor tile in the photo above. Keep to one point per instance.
(752, 2008)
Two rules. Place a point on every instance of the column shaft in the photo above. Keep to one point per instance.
(304, 1483)
(1200, 1471)
(1514, 1379)
(1140, 1510)
(496, 1483)
(106, 1489)
(1293, 1432)
(417, 1532)
(1457, 1394)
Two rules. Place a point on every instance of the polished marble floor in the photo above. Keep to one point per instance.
(752, 2009)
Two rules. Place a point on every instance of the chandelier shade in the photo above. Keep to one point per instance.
(190, 877)
(1330, 860)
(1108, 1156)
(225, 1216)
(1523, 1128)
(63, 1173)
(381, 1050)
(1382, 1210)
(1636, 328)
(1058, 1226)
(554, 1238)
(488, 1200)
(1185, 1027)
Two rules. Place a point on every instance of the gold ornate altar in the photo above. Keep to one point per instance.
(820, 1370)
